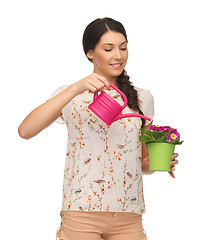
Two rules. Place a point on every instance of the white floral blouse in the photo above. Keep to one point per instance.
(103, 169)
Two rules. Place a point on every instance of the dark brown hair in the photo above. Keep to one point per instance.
(91, 37)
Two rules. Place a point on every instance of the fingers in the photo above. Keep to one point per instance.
(103, 79)
(174, 160)
(173, 169)
(171, 174)
(97, 83)
(175, 155)
(173, 163)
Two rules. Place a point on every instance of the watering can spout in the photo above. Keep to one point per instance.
(120, 115)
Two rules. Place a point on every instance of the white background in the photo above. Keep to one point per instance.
(173, 52)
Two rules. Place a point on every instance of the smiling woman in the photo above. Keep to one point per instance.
(102, 187)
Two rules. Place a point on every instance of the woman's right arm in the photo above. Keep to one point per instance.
(45, 114)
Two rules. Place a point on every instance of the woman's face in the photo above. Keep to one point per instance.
(110, 55)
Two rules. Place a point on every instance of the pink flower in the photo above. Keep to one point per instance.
(168, 129)
(173, 135)
(162, 128)
(157, 128)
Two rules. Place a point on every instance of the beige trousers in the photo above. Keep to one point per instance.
(82, 225)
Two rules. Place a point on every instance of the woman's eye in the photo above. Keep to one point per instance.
(108, 50)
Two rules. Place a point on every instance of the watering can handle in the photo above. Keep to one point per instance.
(119, 91)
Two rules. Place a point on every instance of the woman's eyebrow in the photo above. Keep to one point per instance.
(113, 44)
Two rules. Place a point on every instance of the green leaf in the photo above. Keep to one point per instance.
(142, 138)
(145, 139)
(157, 134)
(176, 142)
(179, 143)
(143, 130)
(160, 140)
(166, 138)
(148, 133)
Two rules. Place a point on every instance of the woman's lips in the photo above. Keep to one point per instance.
(116, 65)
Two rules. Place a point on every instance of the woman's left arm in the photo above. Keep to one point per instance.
(145, 158)
(144, 155)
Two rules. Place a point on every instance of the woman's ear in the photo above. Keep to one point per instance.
(90, 54)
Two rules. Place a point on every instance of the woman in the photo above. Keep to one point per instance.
(103, 187)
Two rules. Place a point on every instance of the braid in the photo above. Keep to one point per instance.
(127, 88)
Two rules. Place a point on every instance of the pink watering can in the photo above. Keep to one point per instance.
(108, 109)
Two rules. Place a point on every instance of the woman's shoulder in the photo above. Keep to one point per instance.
(61, 88)
(142, 91)
(58, 90)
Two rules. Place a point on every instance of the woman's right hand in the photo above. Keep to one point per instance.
(94, 82)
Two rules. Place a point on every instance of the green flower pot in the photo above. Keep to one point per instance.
(160, 156)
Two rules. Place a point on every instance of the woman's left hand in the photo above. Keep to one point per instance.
(173, 163)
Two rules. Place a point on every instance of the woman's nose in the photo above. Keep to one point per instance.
(117, 54)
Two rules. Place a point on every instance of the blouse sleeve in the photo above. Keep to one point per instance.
(60, 119)
(147, 105)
